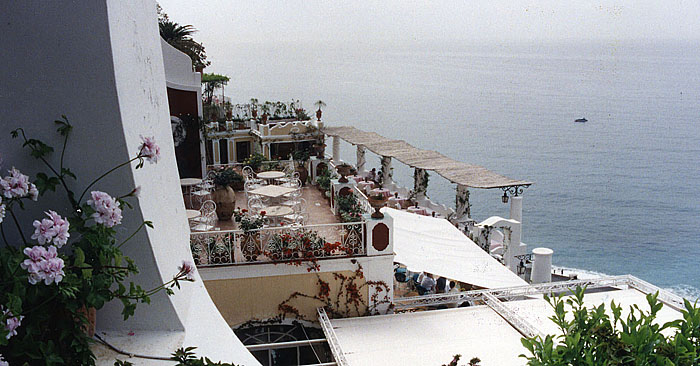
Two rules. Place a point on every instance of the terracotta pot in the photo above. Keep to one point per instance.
(303, 174)
(377, 204)
(320, 150)
(344, 171)
(91, 315)
(225, 199)
(254, 112)
(265, 117)
(318, 114)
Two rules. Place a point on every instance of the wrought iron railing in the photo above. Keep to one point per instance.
(270, 245)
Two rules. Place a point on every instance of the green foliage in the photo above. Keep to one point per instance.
(255, 161)
(227, 177)
(349, 208)
(324, 180)
(212, 82)
(184, 357)
(475, 361)
(95, 271)
(591, 337)
(180, 37)
(301, 155)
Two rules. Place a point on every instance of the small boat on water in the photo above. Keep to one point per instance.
(582, 120)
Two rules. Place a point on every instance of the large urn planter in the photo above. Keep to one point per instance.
(225, 199)
(377, 202)
(303, 173)
(344, 170)
(238, 185)
(320, 150)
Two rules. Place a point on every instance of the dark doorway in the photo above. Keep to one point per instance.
(242, 150)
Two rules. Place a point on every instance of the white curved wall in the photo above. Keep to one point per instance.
(100, 63)
(178, 69)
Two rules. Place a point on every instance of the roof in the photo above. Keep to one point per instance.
(457, 172)
(429, 244)
(429, 338)
(432, 337)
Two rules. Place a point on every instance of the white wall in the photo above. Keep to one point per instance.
(100, 63)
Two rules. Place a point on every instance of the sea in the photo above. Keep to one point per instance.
(618, 194)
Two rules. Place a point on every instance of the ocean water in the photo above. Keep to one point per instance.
(618, 194)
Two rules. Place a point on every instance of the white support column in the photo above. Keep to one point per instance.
(420, 184)
(360, 165)
(462, 206)
(336, 149)
(387, 171)
(380, 255)
(516, 208)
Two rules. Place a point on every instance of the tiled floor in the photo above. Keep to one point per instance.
(317, 206)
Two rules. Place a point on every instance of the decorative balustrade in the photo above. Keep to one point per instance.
(278, 244)
(362, 199)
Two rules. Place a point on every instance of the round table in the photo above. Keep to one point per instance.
(364, 185)
(383, 191)
(189, 183)
(417, 210)
(271, 175)
(276, 212)
(400, 200)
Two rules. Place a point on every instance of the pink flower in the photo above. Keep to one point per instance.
(44, 231)
(15, 185)
(149, 149)
(43, 264)
(55, 229)
(107, 211)
(136, 192)
(11, 323)
(187, 269)
(33, 192)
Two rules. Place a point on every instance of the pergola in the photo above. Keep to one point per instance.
(462, 174)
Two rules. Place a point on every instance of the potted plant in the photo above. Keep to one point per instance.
(319, 112)
(254, 107)
(266, 112)
(223, 195)
(377, 201)
(344, 170)
(300, 158)
(255, 161)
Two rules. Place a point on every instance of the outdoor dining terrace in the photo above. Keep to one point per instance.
(276, 220)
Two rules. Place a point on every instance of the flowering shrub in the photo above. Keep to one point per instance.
(349, 208)
(72, 262)
(250, 222)
(298, 244)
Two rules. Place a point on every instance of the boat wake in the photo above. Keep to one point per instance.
(686, 291)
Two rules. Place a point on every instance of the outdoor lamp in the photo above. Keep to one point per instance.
(505, 197)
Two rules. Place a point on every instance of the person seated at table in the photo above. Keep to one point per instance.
(427, 285)
(441, 285)
(372, 175)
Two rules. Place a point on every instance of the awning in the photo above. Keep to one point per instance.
(457, 172)
(429, 338)
(429, 244)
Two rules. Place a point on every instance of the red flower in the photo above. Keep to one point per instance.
(244, 210)
(263, 213)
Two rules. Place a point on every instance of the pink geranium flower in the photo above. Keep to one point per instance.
(187, 269)
(54, 229)
(107, 210)
(43, 264)
(15, 185)
(11, 322)
(149, 149)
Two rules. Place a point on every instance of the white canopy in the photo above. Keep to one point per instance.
(429, 338)
(433, 245)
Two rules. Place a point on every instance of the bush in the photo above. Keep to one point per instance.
(227, 177)
(255, 161)
(590, 337)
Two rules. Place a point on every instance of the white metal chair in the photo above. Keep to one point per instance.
(255, 205)
(203, 191)
(207, 217)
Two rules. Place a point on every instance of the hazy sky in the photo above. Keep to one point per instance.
(225, 21)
